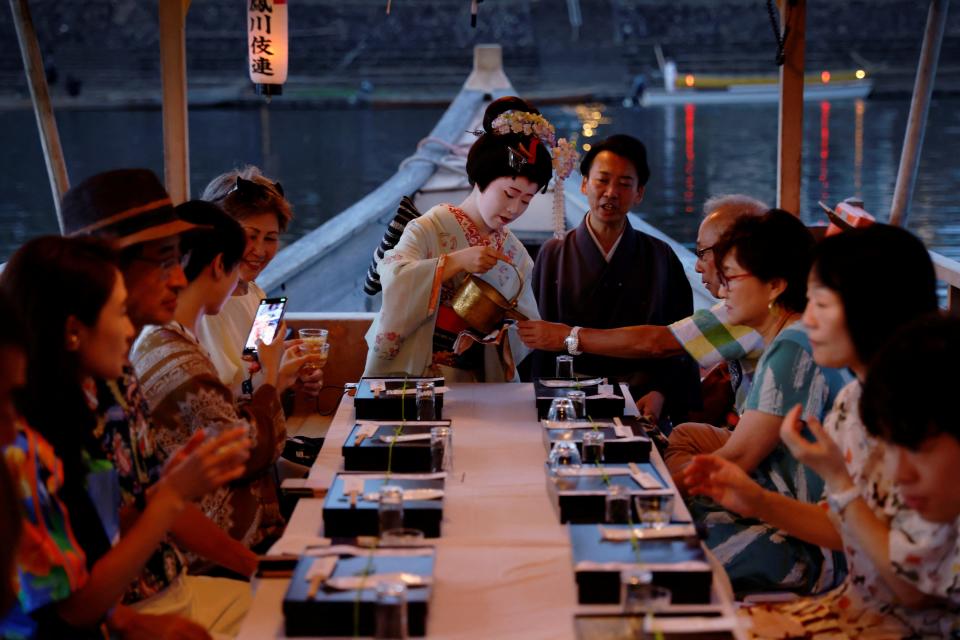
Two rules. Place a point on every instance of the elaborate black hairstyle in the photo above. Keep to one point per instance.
(495, 155)
(908, 395)
(860, 265)
(219, 234)
(774, 245)
(624, 146)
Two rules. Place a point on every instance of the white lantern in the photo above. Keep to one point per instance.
(267, 44)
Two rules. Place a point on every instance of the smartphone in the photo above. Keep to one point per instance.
(266, 323)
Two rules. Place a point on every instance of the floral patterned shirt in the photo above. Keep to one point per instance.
(124, 431)
(50, 563)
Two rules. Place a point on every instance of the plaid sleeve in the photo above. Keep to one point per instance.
(708, 338)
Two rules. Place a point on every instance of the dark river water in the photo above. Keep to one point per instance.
(329, 158)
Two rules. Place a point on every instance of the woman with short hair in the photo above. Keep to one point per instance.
(763, 264)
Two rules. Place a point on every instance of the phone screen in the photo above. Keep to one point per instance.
(266, 323)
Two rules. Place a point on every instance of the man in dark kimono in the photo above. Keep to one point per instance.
(606, 274)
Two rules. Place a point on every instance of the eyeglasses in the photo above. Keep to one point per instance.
(725, 280)
(700, 253)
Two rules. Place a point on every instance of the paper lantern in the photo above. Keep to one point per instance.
(267, 45)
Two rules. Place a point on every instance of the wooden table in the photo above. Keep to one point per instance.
(503, 568)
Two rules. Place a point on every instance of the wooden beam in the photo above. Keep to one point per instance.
(42, 108)
(793, 16)
(919, 106)
(173, 72)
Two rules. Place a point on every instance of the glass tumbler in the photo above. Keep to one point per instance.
(561, 410)
(565, 367)
(579, 400)
(592, 447)
(390, 509)
(426, 401)
(441, 449)
(564, 455)
(391, 612)
(617, 505)
(638, 593)
(654, 511)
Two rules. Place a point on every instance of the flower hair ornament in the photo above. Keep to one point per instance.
(564, 156)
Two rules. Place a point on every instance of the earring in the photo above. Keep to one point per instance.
(772, 307)
(73, 341)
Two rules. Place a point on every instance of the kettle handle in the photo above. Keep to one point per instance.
(516, 296)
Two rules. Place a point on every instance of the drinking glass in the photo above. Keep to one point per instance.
(617, 505)
(441, 449)
(426, 400)
(579, 400)
(593, 447)
(561, 410)
(564, 455)
(654, 511)
(391, 612)
(390, 509)
(565, 367)
(315, 346)
(638, 593)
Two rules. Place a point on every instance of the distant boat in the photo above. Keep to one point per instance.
(735, 89)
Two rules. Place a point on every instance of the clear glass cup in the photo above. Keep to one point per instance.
(579, 400)
(441, 449)
(654, 511)
(402, 538)
(565, 367)
(390, 509)
(391, 611)
(592, 447)
(315, 346)
(564, 455)
(616, 508)
(426, 400)
(638, 594)
(561, 410)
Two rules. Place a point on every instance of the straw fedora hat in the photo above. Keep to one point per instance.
(126, 207)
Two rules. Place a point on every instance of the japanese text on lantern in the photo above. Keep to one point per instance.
(267, 41)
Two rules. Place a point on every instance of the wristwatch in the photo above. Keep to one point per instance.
(840, 501)
(572, 342)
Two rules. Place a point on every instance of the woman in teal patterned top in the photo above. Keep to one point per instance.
(764, 263)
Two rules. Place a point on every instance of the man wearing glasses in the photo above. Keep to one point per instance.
(705, 335)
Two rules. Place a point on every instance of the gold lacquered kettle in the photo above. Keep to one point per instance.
(482, 307)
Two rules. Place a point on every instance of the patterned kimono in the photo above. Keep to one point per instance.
(404, 337)
(924, 553)
(185, 394)
(759, 557)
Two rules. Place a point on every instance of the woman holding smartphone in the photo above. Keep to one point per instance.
(260, 207)
(185, 393)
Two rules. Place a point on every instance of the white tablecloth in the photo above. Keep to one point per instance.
(503, 565)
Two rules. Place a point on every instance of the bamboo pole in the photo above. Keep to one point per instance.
(42, 108)
(173, 72)
(790, 122)
(919, 107)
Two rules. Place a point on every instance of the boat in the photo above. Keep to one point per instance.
(739, 89)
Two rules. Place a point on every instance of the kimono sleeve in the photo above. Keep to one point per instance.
(410, 274)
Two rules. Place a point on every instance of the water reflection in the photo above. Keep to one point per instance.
(327, 159)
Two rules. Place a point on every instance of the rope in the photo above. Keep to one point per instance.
(775, 25)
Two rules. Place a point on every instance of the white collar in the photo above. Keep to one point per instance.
(607, 255)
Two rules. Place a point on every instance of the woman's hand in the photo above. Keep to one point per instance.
(270, 355)
(725, 483)
(651, 406)
(207, 465)
(823, 455)
(540, 334)
(478, 259)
